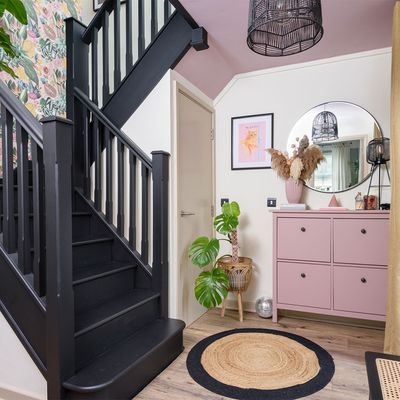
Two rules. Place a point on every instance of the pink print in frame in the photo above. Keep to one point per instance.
(251, 136)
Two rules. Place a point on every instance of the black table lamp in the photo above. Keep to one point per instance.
(378, 153)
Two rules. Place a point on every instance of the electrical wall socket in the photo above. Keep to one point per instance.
(223, 201)
(271, 202)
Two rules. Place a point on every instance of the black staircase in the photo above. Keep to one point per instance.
(84, 215)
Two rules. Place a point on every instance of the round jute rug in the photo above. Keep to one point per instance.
(260, 364)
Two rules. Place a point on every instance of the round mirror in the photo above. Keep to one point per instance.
(343, 131)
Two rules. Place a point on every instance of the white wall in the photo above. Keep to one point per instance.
(18, 373)
(289, 92)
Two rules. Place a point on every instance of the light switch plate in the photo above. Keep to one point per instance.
(271, 202)
(223, 201)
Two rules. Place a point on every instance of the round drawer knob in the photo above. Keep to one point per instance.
(363, 231)
(363, 280)
(303, 275)
(303, 229)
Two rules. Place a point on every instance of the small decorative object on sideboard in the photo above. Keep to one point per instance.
(227, 273)
(370, 202)
(298, 167)
(333, 205)
(264, 307)
(359, 201)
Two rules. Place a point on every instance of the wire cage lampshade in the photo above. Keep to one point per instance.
(325, 127)
(284, 27)
(378, 151)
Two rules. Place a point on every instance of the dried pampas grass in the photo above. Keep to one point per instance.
(301, 165)
(296, 168)
(280, 163)
(311, 158)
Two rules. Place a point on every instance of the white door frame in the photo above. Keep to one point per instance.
(175, 299)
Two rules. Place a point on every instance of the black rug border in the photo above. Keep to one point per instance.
(200, 375)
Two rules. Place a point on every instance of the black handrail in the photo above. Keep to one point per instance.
(21, 114)
(108, 6)
(139, 153)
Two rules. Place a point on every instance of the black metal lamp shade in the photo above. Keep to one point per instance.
(325, 127)
(378, 151)
(284, 27)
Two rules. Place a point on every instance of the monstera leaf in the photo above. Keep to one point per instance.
(231, 209)
(204, 251)
(228, 221)
(16, 8)
(211, 287)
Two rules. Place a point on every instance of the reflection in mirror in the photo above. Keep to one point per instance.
(343, 131)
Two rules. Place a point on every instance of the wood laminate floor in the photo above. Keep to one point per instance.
(347, 345)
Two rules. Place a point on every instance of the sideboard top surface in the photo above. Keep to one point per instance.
(365, 213)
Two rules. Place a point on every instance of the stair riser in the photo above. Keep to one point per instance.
(92, 253)
(140, 374)
(92, 293)
(100, 339)
(81, 226)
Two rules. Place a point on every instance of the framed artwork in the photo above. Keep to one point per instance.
(98, 3)
(251, 136)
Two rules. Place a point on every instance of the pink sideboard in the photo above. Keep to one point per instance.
(332, 263)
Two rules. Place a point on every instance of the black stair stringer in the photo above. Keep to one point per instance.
(165, 52)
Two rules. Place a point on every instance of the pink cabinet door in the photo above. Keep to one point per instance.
(361, 241)
(304, 284)
(305, 239)
(360, 290)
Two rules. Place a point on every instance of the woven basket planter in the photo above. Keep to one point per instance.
(239, 273)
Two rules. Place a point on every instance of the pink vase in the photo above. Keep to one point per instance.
(294, 190)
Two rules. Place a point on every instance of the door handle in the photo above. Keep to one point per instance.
(186, 213)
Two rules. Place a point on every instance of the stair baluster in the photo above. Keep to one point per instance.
(9, 235)
(117, 44)
(132, 201)
(39, 255)
(154, 18)
(129, 35)
(24, 243)
(145, 214)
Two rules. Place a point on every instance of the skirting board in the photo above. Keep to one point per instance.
(249, 306)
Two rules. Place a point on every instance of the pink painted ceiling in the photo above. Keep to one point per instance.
(350, 26)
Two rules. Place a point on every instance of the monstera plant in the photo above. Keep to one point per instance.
(17, 9)
(212, 284)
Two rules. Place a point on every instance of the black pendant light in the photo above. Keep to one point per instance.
(284, 27)
(325, 127)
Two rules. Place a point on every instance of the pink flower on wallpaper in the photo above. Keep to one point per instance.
(252, 142)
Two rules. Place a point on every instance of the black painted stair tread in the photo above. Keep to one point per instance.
(110, 366)
(91, 318)
(74, 214)
(96, 271)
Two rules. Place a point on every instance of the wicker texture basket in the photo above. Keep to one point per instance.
(239, 273)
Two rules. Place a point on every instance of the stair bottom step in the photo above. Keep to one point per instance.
(130, 365)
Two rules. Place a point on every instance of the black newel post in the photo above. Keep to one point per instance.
(57, 140)
(160, 227)
(77, 77)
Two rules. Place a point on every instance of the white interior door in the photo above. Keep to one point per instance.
(195, 192)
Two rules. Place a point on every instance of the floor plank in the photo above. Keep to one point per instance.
(347, 345)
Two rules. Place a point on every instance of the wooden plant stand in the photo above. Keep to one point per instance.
(239, 275)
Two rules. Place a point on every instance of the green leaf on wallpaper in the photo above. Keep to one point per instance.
(30, 69)
(4, 67)
(16, 8)
(71, 8)
(23, 32)
(6, 44)
(24, 96)
(30, 9)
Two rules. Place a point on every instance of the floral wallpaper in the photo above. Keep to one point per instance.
(41, 64)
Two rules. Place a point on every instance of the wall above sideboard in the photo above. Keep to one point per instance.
(288, 92)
